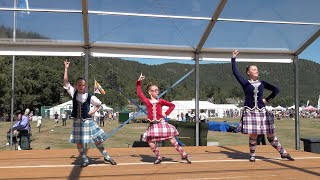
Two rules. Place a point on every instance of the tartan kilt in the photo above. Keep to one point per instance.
(86, 131)
(159, 132)
(257, 122)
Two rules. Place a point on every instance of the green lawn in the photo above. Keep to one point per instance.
(57, 137)
(285, 131)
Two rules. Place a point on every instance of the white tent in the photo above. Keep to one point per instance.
(220, 110)
(294, 107)
(64, 106)
(279, 108)
(68, 106)
(189, 106)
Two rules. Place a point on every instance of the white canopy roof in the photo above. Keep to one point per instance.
(271, 31)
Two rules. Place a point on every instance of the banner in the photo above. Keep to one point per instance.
(98, 89)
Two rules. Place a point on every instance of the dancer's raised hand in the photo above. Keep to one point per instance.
(66, 63)
(235, 53)
(141, 77)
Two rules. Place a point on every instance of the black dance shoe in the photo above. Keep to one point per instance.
(187, 159)
(110, 160)
(287, 156)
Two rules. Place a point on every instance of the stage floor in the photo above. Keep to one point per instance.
(137, 163)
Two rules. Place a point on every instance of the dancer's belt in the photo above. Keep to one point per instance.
(83, 119)
(155, 121)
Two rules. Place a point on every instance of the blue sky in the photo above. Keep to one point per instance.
(121, 29)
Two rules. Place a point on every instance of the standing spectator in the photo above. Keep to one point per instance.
(30, 115)
(39, 122)
(114, 115)
(203, 116)
(192, 117)
(96, 117)
(187, 117)
(64, 117)
(178, 117)
(110, 115)
(182, 116)
(102, 119)
(56, 119)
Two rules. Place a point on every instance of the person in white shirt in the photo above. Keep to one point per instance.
(64, 117)
(84, 129)
(203, 116)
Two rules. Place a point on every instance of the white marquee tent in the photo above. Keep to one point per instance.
(68, 106)
(189, 106)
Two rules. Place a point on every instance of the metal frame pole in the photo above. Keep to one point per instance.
(197, 89)
(12, 77)
(296, 95)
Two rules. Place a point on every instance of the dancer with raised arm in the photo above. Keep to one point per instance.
(84, 129)
(256, 120)
(158, 129)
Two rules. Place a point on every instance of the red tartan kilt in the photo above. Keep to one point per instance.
(159, 132)
(257, 122)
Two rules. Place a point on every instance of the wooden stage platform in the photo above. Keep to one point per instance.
(137, 163)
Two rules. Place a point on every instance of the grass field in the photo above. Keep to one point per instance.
(57, 137)
(285, 132)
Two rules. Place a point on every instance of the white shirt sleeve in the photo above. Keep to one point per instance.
(95, 101)
(70, 89)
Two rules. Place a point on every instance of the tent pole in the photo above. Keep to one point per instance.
(296, 96)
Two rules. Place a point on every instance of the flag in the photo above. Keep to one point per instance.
(319, 102)
(23, 4)
(308, 102)
(98, 89)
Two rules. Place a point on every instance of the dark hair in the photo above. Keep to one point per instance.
(81, 78)
(18, 112)
(149, 85)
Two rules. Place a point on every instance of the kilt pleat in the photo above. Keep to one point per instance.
(86, 132)
(257, 122)
(159, 132)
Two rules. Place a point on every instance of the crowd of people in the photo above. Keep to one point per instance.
(290, 113)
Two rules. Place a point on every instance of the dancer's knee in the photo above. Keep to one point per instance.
(173, 141)
(152, 146)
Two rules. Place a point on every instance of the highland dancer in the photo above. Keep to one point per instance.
(158, 129)
(84, 129)
(256, 120)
